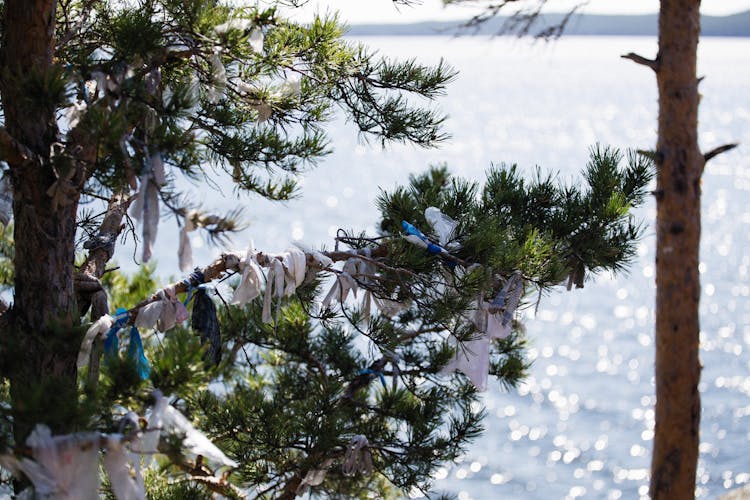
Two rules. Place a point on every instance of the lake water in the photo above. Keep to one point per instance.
(582, 424)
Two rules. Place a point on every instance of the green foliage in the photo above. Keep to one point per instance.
(186, 79)
(177, 365)
(126, 291)
(548, 232)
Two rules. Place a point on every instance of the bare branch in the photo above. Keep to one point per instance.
(651, 63)
(717, 151)
(101, 246)
(525, 18)
(218, 485)
(12, 151)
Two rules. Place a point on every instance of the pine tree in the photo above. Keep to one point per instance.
(350, 371)
(680, 165)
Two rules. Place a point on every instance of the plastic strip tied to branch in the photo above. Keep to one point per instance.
(494, 321)
(473, 360)
(171, 421)
(135, 348)
(136, 353)
(63, 467)
(357, 457)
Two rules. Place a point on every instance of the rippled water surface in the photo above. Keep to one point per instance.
(582, 424)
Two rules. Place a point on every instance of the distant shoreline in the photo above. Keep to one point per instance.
(736, 25)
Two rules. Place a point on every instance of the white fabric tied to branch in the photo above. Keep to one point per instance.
(6, 200)
(171, 421)
(357, 457)
(124, 470)
(146, 206)
(218, 77)
(164, 313)
(73, 113)
(67, 466)
(233, 24)
(473, 360)
(494, 320)
(365, 271)
(185, 250)
(359, 271)
(149, 314)
(286, 271)
(251, 280)
(291, 87)
(274, 286)
(256, 40)
(64, 467)
(97, 328)
(389, 307)
(321, 260)
(314, 477)
(173, 312)
(256, 35)
(345, 282)
(294, 261)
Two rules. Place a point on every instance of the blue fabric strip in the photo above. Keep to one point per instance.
(136, 353)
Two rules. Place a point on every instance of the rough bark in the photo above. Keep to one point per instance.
(678, 228)
(40, 342)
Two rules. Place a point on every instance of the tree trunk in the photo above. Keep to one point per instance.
(678, 227)
(41, 341)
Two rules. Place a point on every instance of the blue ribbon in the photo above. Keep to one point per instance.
(431, 247)
(135, 352)
(373, 374)
(410, 229)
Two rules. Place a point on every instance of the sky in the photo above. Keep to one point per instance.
(383, 11)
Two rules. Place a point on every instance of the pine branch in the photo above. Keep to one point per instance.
(201, 475)
(83, 16)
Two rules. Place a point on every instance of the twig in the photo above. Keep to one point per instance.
(12, 151)
(717, 151)
(217, 485)
(651, 63)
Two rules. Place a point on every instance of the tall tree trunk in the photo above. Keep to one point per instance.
(41, 342)
(678, 228)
